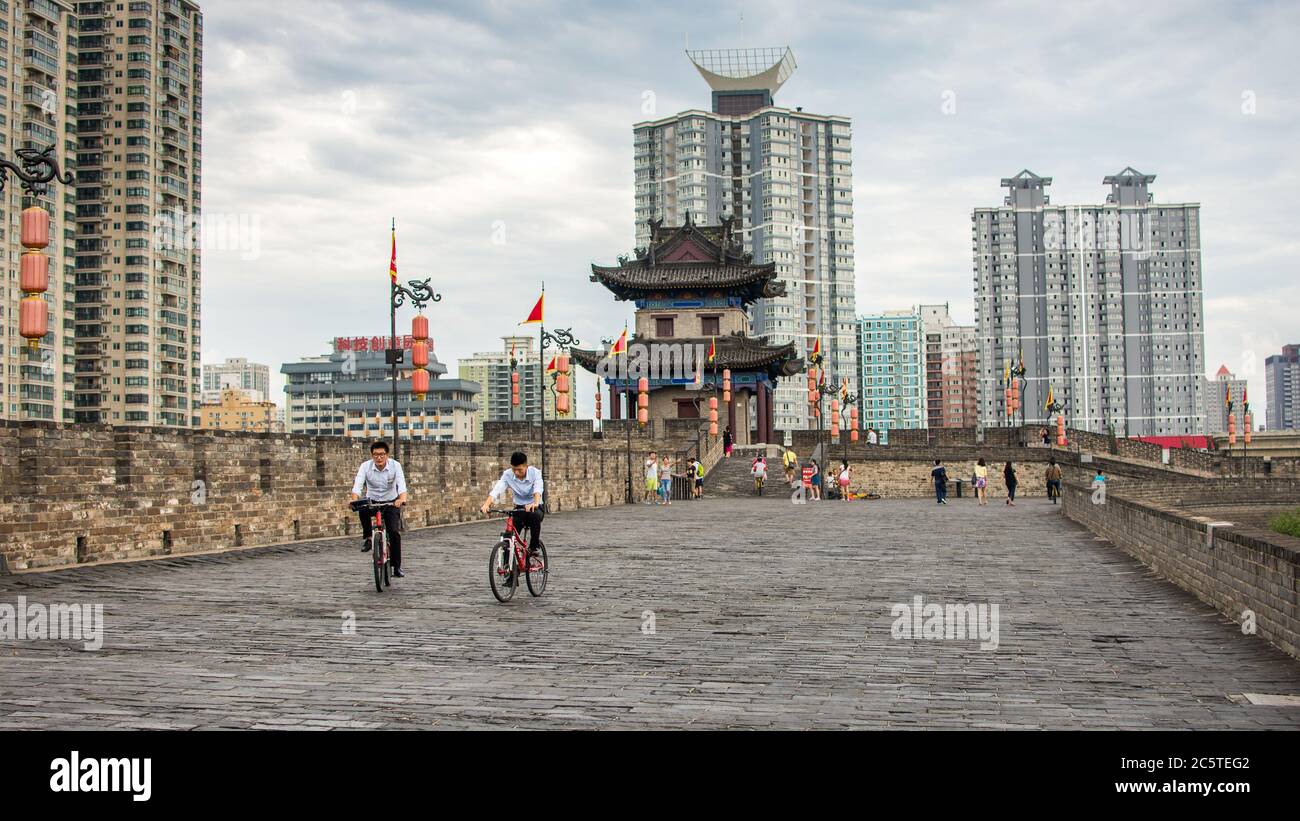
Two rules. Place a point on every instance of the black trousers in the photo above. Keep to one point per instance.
(1011, 490)
(392, 524)
(532, 521)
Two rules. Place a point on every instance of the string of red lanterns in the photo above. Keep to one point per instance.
(34, 276)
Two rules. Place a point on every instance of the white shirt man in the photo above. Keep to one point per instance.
(526, 487)
(871, 437)
(382, 480)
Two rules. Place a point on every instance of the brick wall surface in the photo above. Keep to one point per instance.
(87, 493)
(1238, 569)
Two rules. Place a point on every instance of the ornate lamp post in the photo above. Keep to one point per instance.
(1017, 373)
(817, 360)
(37, 170)
(850, 410)
(608, 342)
(418, 294)
(564, 338)
(1058, 408)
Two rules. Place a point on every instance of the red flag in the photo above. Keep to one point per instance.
(536, 314)
(713, 348)
(551, 366)
(620, 344)
(392, 265)
(817, 346)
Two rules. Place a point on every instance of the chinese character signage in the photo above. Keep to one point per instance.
(373, 344)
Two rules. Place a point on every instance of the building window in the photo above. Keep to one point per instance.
(709, 325)
(663, 326)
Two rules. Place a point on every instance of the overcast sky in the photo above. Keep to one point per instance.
(499, 135)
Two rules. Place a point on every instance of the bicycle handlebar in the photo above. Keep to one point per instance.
(367, 504)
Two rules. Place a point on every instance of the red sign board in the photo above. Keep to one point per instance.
(807, 477)
(363, 344)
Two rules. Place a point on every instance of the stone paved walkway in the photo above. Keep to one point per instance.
(766, 615)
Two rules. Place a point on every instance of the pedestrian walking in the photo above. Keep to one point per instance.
(981, 482)
(1053, 480)
(816, 480)
(846, 479)
(666, 481)
(872, 437)
(698, 475)
(651, 478)
(1047, 439)
(940, 476)
(726, 442)
(1009, 476)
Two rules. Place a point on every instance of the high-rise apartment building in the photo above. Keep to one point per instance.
(786, 176)
(492, 370)
(1282, 386)
(38, 104)
(1102, 304)
(139, 171)
(891, 353)
(236, 372)
(950, 373)
(1217, 392)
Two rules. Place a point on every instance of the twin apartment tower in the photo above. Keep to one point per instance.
(1101, 303)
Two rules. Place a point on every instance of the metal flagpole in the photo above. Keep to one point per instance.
(541, 394)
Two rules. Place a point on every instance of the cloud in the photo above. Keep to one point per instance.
(473, 121)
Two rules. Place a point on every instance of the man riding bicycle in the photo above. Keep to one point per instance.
(383, 481)
(525, 484)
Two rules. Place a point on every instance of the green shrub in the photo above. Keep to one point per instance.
(1288, 523)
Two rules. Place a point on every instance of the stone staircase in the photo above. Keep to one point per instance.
(731, 477)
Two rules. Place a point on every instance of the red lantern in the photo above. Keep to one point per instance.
(514, 388)
(1247, 420)
(35, 227)
(1060, 429)
(562, 364)
(34, 272)
(420, 327)
(562, 403)
(642, 415)
(643, 385)
(1232, 426)
(33, 322)
(853, 435)
(420, 353)
(419, 382)
(713, 428)
(562, 383)
(642, 400)
(726, 384)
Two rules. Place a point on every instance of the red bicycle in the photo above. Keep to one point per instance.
(510, 554)
(378, 539)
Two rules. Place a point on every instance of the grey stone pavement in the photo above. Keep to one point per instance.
(766, 615)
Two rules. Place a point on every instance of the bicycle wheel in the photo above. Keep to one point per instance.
(503, 582)
(537, 572)
(378, 550)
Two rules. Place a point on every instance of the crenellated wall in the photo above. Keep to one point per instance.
(85, 493)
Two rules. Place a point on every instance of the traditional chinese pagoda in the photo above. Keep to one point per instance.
(691, 287)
